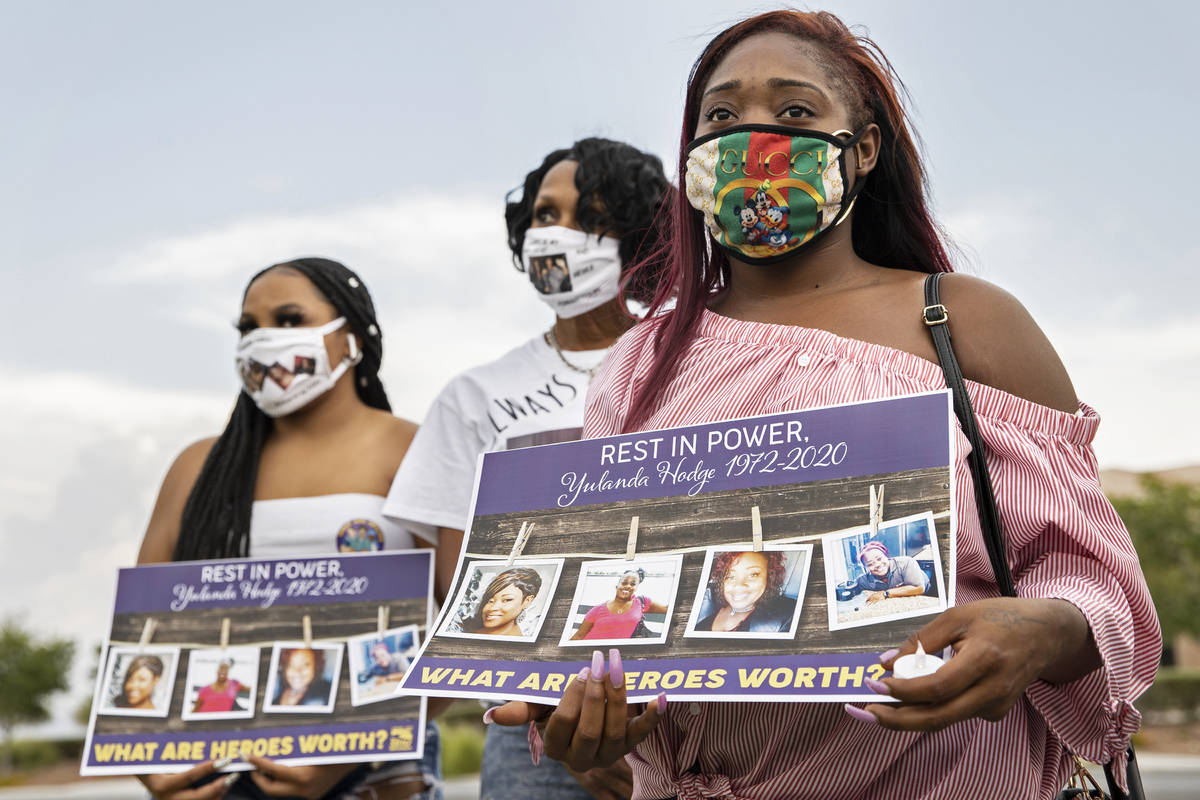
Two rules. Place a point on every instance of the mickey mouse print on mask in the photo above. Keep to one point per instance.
(766, 190)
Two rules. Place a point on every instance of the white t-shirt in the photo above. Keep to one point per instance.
(526, 397)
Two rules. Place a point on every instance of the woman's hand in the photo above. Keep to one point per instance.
(178, 785)
(607, 783)
(279, 780)
(1000, 647)
(592, 726)
(873, 597)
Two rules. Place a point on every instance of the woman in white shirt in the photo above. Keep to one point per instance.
(581, 217)
(302, 468)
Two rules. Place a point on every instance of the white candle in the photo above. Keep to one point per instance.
(916, 665)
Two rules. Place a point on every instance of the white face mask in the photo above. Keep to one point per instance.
(285, 369)
(573, 271)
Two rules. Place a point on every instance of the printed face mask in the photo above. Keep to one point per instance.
(573, 271)
(766, 191)
(284, 369)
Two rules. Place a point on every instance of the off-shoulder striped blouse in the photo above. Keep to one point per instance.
(1064, 541)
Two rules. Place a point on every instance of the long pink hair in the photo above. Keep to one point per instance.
(892, 223)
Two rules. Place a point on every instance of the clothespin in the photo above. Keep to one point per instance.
(876, 509)
(519, 544)
(147, 633)
(756, 527)
(383, 620)
(308, 631)
(631, 542)
(225, 633)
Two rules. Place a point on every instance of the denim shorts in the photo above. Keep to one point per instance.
(509, 774)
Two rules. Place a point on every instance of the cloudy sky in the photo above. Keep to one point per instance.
(156, 154)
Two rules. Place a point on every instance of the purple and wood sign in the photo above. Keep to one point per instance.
(296, 659)
(767, 558)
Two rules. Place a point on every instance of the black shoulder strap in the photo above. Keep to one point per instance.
(937, 318)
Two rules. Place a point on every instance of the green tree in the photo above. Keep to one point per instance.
(30, 672)
(1165, 527)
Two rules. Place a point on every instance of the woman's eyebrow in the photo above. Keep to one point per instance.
(721, 87)
(780, 83)
(288, 308)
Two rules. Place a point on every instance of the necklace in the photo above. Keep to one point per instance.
(552, 341)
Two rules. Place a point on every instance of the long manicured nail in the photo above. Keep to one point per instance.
(616, 671)
(888, 655)
(662, 702)
(584, 674)
(537, 748)
(222, 763)
(487, 715)
(597, 665)
(878, 687)
(231, 778)
(859, 714)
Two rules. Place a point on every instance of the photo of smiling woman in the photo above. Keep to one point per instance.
(498, 600)
(623, 602)
(140, 681)
(752, 594)
(303, 678)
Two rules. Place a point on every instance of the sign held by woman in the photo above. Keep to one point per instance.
(741, 560)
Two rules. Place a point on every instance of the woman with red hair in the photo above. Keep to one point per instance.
(797, 262)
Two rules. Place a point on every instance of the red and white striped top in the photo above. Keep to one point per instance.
(1064, 541)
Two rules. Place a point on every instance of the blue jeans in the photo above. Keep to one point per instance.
(508, 773)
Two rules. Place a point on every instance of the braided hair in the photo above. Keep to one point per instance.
(216, 517)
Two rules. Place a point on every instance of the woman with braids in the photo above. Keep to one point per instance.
(746, 589)
(311, 446)
(581, 218)
(796, 264)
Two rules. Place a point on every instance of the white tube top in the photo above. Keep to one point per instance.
(329, 523)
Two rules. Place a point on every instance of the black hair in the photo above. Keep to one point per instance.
(620, 188)
(216, 518)
(641, 574)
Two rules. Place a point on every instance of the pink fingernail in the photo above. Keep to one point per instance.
(662, 702)
(616, 671)
(584, 674)
(878, 687)
(887, 655)
(859, 714)
(597, 664)
(487, 715)
(536, 746)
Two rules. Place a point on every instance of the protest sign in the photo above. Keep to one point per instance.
(215, 659)
(769, 558)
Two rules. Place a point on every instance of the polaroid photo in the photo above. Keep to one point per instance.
(747, 594)
(498, 599)
(895, 574)
(139, 681)
(624, 602)
(378, 663)
(303, 678)
(221, 684)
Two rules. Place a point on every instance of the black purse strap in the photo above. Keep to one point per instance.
(937, 319)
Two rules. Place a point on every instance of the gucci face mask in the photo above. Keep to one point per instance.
(573, 272)
(766, 190)
(285, 369)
